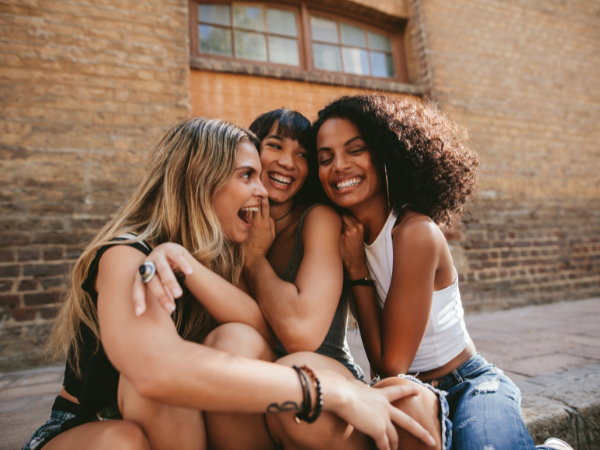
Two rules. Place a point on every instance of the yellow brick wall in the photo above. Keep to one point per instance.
(86, 89)
(240, 98)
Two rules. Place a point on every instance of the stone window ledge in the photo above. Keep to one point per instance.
(217, 65)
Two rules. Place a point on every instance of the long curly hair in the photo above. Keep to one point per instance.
(428, 157)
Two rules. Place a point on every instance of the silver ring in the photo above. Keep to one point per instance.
(147, 271)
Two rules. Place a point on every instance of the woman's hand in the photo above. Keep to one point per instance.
(370, 411)
(262, 233)
(352, 248)
(171, 264)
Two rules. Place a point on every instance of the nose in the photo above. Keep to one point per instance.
(341, 163)
(260, 191)
(286, 160)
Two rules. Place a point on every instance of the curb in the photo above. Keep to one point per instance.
(565, 405)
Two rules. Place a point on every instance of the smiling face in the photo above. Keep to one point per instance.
(241, 194)
(345, 167)
(284, 164)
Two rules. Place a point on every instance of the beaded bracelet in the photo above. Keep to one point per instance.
(306, 400)
(304, 415)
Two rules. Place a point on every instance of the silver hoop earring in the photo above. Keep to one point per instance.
(387, 186)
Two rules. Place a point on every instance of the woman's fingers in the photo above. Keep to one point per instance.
(392, 436)
(265, 210)
(410, 425)
(139, 295)
(393, 393)
(383, 442)
(170, 285)
(161, 294)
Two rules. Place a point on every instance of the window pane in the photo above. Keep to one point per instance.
(327, 57)
(217, 14)
(283, 51)
(379, 42)
(382, 65)
(352, 35)
(249, 17)
(355, 61)
(281, 22)
(250, 46)
(324, 30)
(215, 40)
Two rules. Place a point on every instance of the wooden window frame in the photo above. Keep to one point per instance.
(305, 70)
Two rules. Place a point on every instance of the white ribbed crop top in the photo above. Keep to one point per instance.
(446, 335)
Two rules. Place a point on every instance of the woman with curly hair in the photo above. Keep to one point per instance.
(400, 168)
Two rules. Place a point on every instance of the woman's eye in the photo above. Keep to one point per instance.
(357, 150)
(324, 162)
(247, 175)
(276, 146)
(303, 155)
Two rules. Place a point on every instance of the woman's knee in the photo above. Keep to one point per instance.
(423, 408)
(124, 434)
(240, 339)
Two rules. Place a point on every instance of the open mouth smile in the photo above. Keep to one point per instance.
(348, 183)
(280, 181)
(246, 213)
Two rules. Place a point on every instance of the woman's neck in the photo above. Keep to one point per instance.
(280, 213)
(372, 214)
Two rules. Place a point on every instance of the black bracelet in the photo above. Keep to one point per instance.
(304, 415)
(367, 281)
(306, 400)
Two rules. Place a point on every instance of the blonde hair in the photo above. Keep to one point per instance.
(173, 203)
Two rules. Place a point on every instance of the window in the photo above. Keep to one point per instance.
(341, 47)
(255, 33)
(302, 37)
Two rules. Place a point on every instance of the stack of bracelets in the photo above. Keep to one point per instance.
(306, 397)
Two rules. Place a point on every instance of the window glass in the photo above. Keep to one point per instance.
(324, 30)
(215, 14)
(352, 35)
(283, 51)
(281, 22)
(355, 61)
(215, 40)
(379, 42)
(382, 65)
(249, 17)
(327, 57)
(250, 45)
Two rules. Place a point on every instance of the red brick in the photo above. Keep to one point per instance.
(42, 298)
(9, 300)
(7, 256)
(29, 254)
(24, 314)
(53, 254)
(28, 285)
(9, 271)
(6, 285)
(45, 270)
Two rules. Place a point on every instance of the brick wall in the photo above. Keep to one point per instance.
(522, 75)
(86, 89)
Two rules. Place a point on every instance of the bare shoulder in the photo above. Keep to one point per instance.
(323, 217)
(418, 231)
(321, 224)
(119, 261)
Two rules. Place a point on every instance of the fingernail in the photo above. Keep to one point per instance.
(177, 292)
(431, 441)
(171, 307)
(189, 271)
(139, 309)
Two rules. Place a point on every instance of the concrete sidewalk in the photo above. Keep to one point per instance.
(552, 352)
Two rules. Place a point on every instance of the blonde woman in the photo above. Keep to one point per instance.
(143, 382)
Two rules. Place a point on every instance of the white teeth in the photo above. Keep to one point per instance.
(280, 179)
(347, 183)
(251, 208)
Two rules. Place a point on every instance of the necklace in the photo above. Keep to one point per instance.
(285, 215)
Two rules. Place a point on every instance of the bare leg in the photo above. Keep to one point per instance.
(165, 426)
(112, 434)
(423, 408)
(231, 431)
(329, 431)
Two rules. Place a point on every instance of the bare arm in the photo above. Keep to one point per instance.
(223, 301)
(300, 313)
(392, 337)
(164, 367)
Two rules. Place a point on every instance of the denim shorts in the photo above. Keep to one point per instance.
(62, 411)
(485, 408)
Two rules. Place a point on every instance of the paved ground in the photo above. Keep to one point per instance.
(531, 344)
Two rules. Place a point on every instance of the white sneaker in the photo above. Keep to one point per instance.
(557, 444)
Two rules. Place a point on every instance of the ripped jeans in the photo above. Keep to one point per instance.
(485, 408)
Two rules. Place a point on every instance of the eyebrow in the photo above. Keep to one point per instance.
(345, 143)
(274, 136)
(245, 168)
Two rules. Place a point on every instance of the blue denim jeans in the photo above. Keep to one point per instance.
(485, 408)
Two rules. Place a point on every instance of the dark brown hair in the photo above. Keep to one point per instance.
(429, 160)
